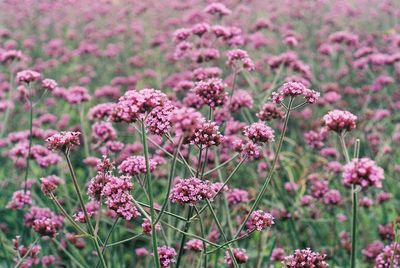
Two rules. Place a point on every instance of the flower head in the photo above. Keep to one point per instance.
(363, 172)
(63, 141)
(28, 76)
(190, 191)
(259, 133)
(305, 258)
(166, 255)
(260, 220)
(339, 121)
(212, 92)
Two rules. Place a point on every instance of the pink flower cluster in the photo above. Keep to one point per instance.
(186, 121)
(305, 258)
(158, 121)
(293, 89)
(259, 220)
(239, 56)
(19, 200)
(239, 254)
(133, 104)
(194, 245)
(338, 121)
(212, 92)
(50, 183)
(166, 255)
(190, 191)
(136, 165)
(28, 76)
(63, 141)
(118, 197)
(259, 133)
(206, 135)
(269, 111)
(363, 172)
(389, 253)
(44, 221)
(147, 228)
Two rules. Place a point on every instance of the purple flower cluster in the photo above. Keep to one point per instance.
(50, 183)
(63, 141)
(190, 191)
(239, 254)
(239, 56)
(259, 133)
(259, 220)
(136, 165)
(293, 89)
(363, 172)
(44, 221)
(212, 92)
(338, 121)
(305, 258)
(269, 111)
(206, 135)
(166, 255)
(19, 200)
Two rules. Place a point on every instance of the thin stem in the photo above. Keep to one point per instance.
(354, 203)
(150, 191)
(85, 213)
(183, 238)
(54, 199)
(108, 238)
(30, 137)
(219, 166)
(170, 178)
(84, 134)
(124, 241)
(27, 253)
(272, 169)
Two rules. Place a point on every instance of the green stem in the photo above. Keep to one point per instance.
(30, 137)
(170, 178)
(54, 199)
(272, 169)
(108, 238)
(85, 213)
(150, 191)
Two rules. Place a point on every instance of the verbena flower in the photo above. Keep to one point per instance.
(338, 121)
(363, 172)
(190, 191)
(305, 258)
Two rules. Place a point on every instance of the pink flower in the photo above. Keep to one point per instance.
(19, 200)
(146, 225)
(50, 183)
(363, 172)
(190, 191)
(293, 89)
(236, 196)
(217, 8)
(206, 135)
(240, 99)
(186, 121)
(389, 252)
(212, 92)
(259, 133)
(278, 254)
(305, 258)
(63, 141)
(28, 76)
(141, 252)
(136, 165)
(332, 197)
(269, 112)
(339, 121)
(49, 84)
(77, 95)
(44, 221)
(239, 254)
(373, 249)
(238, 56)
(259, 220)
(166, 255)
(194, 245)
(158, 121)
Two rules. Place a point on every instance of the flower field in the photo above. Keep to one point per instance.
(200, 133)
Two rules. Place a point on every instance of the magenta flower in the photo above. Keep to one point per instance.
(166, 255)
(269, 112)
(195, 245)
(305, 258)
(63, 141)
(363, 172)
(212, 92)
(239, 254)
(19, 200)
(206, 135)
(259, 133)
(389, 252)
(28, 76)
(259, 220)
(50, 183)
(190, 191)
(340, 121)
(293, 89)
(239, 58)
(136, 165)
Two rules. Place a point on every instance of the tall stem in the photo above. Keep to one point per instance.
(30, 137)
(272, 169)
(85, 213)
(354, 204)
(151, 202)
